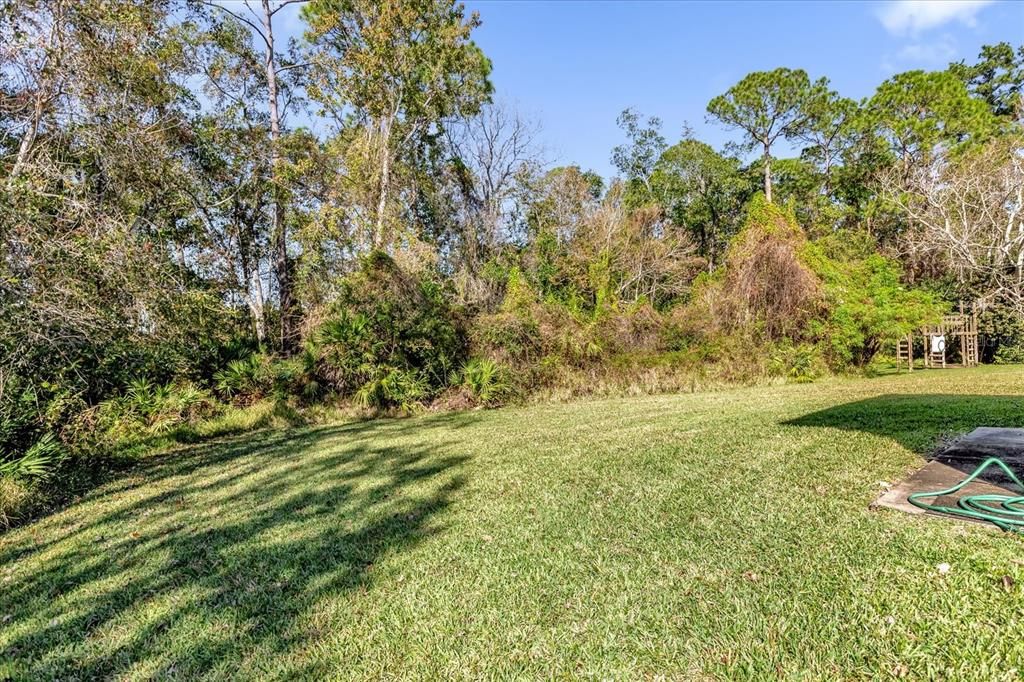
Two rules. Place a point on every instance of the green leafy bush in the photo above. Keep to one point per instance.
(148, 408)
(392, 336)
(868, 307)
(390, 387)
(1009, 355)
(800, 363)
(487, 381)
(38, 461)
(1002, 331)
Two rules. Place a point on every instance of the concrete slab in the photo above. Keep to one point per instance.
(955, 463)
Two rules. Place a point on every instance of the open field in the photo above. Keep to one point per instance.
(721, 535)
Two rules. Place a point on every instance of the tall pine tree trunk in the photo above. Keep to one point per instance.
(282, 266)
(379, 238)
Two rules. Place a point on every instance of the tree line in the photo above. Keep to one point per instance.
(197, 212)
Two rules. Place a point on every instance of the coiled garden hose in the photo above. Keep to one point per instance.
(1005, 511)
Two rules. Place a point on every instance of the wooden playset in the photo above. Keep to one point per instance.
(959, 331)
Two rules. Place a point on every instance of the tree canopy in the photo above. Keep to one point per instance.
(767, 106)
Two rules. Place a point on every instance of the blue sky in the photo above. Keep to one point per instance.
(573, 65)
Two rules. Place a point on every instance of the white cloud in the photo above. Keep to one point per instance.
(930, 53)
(911, 17)
(934, 53)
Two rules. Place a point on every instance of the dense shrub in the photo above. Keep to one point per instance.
(146, 409)
(391, 387)
(392, 338)
(22, 411)
(259, 376)
(867, 307)
(800, 363)
(530, 334)
(1002, 333)
(18, 498)
(508, 336)
(244, 377)
(1009, 355)
(487, 382)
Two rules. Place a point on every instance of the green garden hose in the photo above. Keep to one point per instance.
(1005, 511)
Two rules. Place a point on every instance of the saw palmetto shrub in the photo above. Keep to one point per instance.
(392, 338)
(488, 382)
(144, 409)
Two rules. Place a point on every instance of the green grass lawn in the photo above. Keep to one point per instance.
(720, 535)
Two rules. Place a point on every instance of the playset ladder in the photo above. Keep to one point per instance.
(905, 353)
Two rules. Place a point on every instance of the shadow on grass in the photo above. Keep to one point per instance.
(194, 560)
(83, 475)
(919, 422)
